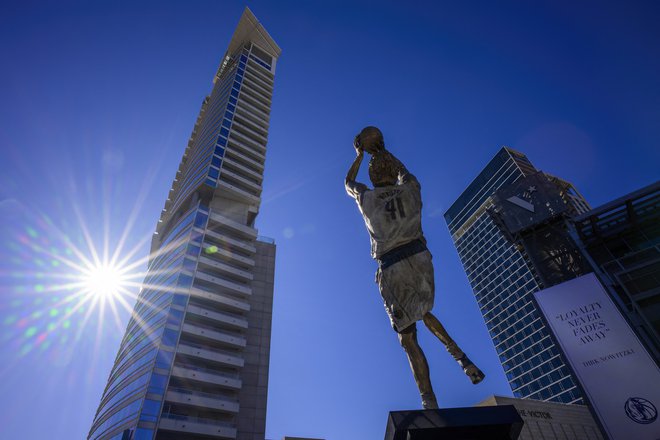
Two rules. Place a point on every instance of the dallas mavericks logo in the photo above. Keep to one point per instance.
(640, 410)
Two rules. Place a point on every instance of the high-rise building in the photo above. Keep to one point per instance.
(622, 241)
(193, 362)
(503, 278)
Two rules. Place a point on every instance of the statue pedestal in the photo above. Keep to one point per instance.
(474, 423)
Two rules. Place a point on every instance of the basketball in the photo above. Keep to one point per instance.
(371, 140)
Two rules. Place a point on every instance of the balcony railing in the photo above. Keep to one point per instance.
(214, 355)
(256, 177)
(202, 375)
(266, 83)
(197, 425)
(238, 194)
(215, 267)
(244, 230)
(212, 237)
(249, 145)
(240, 180)
(254, 111)
(239, 152)
(202, 278)
(220, 299)
(199, 420)
(245, 120)
(214, 335)
(224, 317)
(201, 399)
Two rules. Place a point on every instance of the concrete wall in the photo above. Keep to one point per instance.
(549, 420)
(254, 393)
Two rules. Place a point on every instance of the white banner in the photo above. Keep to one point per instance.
(619, 377)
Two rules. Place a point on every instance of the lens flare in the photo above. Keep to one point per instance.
(62, 288)
(105, 281)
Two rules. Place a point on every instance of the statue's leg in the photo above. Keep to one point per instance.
(419, 366)
(471, 370)
(439, 331)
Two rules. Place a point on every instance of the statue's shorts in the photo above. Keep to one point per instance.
(408, 289)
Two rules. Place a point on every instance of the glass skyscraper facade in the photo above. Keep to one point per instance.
(193, 363)
(503, 280)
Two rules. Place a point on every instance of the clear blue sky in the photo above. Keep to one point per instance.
(98, 100)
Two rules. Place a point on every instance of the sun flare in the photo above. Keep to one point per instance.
(104, 281)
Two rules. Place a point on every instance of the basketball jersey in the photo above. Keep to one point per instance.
(392, 214)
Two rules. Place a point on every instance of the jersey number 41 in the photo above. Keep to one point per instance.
(395, 207)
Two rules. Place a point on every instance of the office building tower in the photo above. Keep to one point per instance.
(622, 241)
(193, 362)
(503, 278)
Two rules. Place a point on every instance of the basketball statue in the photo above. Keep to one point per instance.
(392, 212)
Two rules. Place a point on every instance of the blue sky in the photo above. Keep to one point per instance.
(98, 101)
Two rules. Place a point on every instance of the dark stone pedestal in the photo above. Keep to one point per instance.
(474, 423)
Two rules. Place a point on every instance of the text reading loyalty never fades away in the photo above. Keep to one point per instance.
(587, 325)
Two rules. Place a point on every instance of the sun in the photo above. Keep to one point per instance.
(104, 281)
(72, 280)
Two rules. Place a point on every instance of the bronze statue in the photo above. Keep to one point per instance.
(392, 213)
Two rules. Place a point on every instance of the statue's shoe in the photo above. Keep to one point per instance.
(474, 373)
(471, 370)
(429, 401)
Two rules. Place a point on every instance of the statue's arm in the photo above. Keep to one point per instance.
(355, 167)
(353, 188)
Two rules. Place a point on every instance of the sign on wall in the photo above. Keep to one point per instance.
(618, 375)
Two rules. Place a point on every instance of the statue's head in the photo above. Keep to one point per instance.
(383, 170)
(371, 139)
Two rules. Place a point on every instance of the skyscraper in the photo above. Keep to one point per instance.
(193, 362)
(503, 278)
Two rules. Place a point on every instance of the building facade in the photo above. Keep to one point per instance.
(193, 362)
(622, 241)
(503, 278)
(549, 420)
